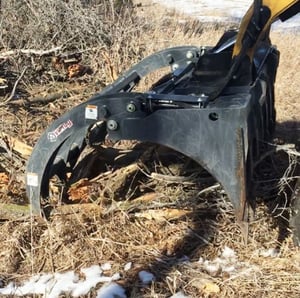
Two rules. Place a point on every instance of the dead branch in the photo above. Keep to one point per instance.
(171, 178)
(11, 143)
(71, 209)
(50, 97)
(162, 215)
(12, 94)
(143, 202)
(208, 189)
(10, 53)
(288, 148)
(47, 98)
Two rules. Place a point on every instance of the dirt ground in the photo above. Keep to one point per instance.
(151, 206)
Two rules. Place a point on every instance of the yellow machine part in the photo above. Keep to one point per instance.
(277, 7)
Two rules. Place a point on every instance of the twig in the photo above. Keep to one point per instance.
(198, 236)
(162, 215)
(172, 179)
(47, 98)
(208, 189)
(50, 97)
(29, 52)
(12, 94)
(288, 148)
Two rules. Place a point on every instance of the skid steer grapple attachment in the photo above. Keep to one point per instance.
(216, 106)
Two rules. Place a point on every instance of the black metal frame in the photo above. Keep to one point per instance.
(224, 135)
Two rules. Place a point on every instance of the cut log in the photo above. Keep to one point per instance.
(16, 145)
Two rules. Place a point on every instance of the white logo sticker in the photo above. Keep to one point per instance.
(91, 112)
(32, 179)
(53, 135)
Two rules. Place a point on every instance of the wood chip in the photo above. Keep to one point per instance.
(162, 215)
(16, 145)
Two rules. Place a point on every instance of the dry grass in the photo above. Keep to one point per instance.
(287, 72)
(83, 237)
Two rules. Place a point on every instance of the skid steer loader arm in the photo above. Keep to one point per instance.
(215, 106)
(254, 28)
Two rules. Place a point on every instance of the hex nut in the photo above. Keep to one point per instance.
(189, 55)
(131, 108)
(112, 125)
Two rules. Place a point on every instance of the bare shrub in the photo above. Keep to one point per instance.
(68, 24)
(64, 27)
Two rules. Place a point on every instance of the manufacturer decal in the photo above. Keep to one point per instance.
(53, 135)
(91, 112)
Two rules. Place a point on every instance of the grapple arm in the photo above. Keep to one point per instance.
(60, 145)
(215, 106)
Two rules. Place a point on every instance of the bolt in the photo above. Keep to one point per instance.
(131, 108)
(202, 50)
(175, 66)
(189, 55)
(112, 125)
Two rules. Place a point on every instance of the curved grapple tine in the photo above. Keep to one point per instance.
(68, 153)
(58, 148)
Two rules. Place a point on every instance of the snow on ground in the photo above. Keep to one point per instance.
(201, 9)
(222, 10)
(146, 277)
(51, 285)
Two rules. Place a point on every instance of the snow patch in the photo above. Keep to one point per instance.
(146, 277)
(179, 295)
(111, 290)
(53, 285)
(228, 253)
(106, 267)
(227, 262)
(222, 11)
(271, 253)
(128, 266)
